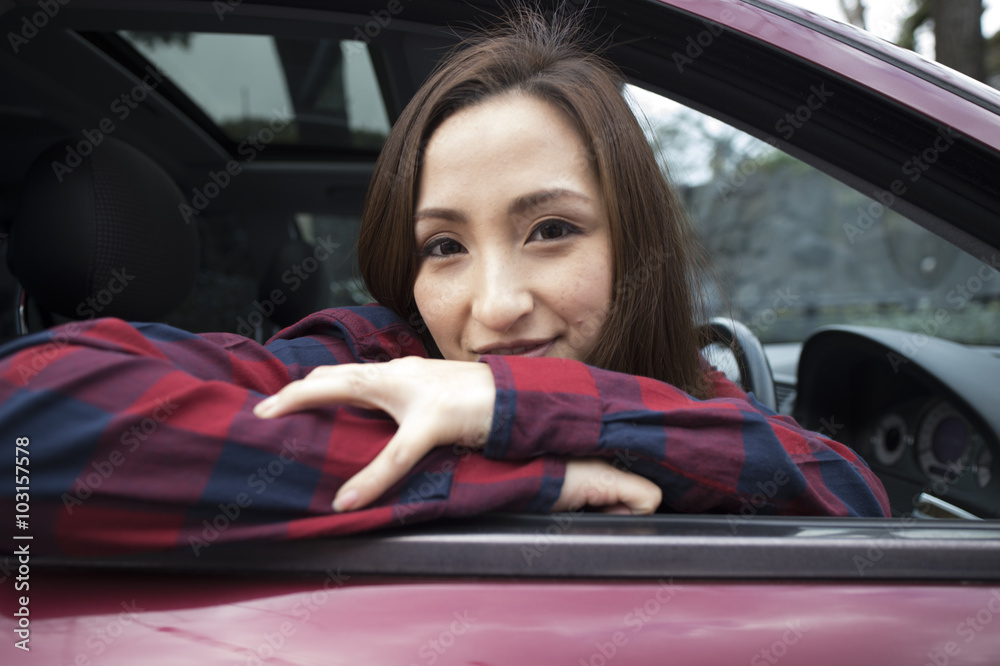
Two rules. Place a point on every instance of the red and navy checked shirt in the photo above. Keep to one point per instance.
(142, 436)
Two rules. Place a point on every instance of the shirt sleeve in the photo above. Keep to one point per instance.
(142, 436)
(729, 454)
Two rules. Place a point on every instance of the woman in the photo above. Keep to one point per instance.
(533, 265)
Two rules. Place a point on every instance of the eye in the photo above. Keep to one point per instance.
(442, 247)
(553, 230)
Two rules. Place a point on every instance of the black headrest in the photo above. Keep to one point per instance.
(102, 235)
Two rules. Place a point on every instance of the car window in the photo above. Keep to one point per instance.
(794, 249)
(327, 87)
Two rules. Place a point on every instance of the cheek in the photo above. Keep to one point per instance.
(587, 295)
(424, 295)
(438, 312)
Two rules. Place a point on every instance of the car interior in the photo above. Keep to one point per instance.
(219, 163)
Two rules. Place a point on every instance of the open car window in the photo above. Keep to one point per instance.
(795, 249)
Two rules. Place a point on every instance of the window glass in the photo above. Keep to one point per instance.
(795, 249)
(321, 93)
(343, 286)
(254, 281)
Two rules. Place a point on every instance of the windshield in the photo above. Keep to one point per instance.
(794, 249)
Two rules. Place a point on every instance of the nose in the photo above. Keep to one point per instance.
(502, 294)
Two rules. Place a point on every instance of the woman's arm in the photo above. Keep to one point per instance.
(726, 455)
(143, 437)
(729, 454)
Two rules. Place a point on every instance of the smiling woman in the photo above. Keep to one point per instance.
(533, 265)
(527, 271)
(517, 216)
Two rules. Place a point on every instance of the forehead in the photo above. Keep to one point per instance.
(506, 139)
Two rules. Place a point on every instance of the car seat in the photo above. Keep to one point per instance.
(99, 235)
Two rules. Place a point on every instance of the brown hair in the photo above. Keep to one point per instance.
(650, 329)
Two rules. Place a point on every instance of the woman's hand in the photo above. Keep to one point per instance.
(594, 482)
(439, 403)
(435, 403)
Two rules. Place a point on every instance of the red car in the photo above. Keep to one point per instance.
(849, 191)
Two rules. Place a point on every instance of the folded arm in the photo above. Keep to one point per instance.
(718, 455)
(144, 437)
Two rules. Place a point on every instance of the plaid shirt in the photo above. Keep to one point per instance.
(142, 436)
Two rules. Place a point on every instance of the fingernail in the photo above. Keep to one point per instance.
(265, 407)
(345, 500)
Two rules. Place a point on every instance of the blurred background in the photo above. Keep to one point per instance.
(792, 248)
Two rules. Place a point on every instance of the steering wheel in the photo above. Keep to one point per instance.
(755, 374)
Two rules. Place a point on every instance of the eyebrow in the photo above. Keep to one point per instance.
(517, 207)
(522, 203)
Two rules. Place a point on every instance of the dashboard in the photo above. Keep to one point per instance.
(926, 423)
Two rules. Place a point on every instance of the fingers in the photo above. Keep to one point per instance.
(400, 455)
(435, 403)
(325, 386)
(596, 483)
(639, 494)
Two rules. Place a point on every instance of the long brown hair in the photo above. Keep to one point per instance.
(650, 329)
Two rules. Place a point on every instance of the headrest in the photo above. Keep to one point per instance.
(102, 234)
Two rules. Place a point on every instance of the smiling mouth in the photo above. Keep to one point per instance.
(522, 349)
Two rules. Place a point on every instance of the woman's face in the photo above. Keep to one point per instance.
(513, 236)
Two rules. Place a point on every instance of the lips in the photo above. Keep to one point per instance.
(528, 348)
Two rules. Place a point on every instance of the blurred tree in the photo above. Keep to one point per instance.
(855, 12)
(993, 60)
(958, 36)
